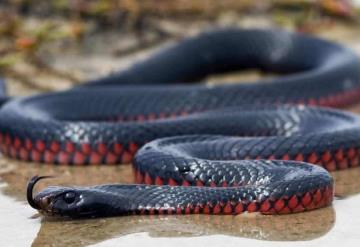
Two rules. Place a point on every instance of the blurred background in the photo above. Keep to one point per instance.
(50, 45)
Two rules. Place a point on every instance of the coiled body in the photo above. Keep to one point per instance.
(107, 120)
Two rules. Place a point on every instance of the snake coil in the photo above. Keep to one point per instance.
(232, 148)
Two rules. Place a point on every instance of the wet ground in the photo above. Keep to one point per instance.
(20, 225)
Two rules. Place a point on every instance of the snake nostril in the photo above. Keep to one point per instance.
(44, 202)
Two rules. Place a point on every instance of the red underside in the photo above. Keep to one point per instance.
(71, 153)
(284, 205)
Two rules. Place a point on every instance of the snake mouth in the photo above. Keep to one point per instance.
(38, 204)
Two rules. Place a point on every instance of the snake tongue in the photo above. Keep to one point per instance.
(30, 188)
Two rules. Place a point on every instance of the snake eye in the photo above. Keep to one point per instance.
(69, 197)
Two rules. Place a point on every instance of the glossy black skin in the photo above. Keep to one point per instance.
(204, 157)
(273, 180)
(314, 69)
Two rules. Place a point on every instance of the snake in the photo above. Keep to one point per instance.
(262, 147)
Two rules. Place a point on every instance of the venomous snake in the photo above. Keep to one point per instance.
(196, 148)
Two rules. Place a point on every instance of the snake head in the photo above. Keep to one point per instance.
(74, 202)
(53, 200)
